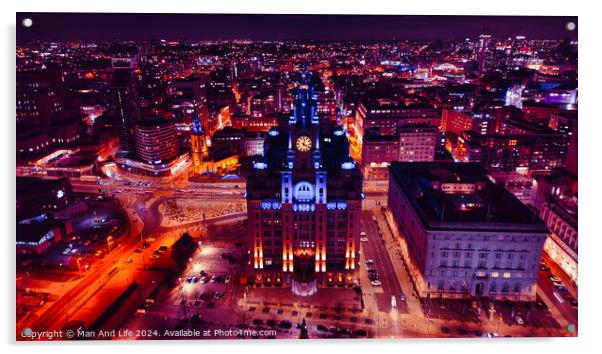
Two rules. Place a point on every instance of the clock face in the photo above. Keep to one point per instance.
(303, 143)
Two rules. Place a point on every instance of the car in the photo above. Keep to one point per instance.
(128, 260)
(402, 297)
(154, 256)
(364, 239)
(66, 251)
(369, 261)
(373, 217)
(138, 250)
(519, 320)
(157, 252)
(214, 279)
(558, 297)
(141, 311)
(145, 245)
(258, 321)
(271, 322)
(227, 280)
(572, 301)
(204, 279)
(561, 287)
(192, 280)
(163, 248)
(544, 268)
(99, 253)
(554, 278)
(375, 282)
(363, 234)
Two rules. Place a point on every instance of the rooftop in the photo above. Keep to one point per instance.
(459, 196)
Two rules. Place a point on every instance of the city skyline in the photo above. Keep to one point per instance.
(295, 189)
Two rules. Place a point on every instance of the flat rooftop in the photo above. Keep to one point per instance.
(459, 196)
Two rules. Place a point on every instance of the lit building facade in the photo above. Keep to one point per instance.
(304, 204)
(156, 140)
(377, 154)
(417, 143)
(464, 236)
(562, 246)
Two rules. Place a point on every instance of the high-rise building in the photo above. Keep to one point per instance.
(44, 120)
(304, 204)
(481, 52)
(156, 140)
(123, 92)
(461, 234)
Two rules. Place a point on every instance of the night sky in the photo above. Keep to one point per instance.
(109, 26)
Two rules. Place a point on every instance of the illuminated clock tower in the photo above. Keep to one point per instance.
(304, 204)
(198, 145)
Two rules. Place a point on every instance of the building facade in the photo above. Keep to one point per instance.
(304, 204)
(560, 215)
(463, 236)
(156, 140)
(417, 143)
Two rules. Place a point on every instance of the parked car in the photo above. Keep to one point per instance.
(375, 282)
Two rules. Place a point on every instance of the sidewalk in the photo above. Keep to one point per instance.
(403, 278)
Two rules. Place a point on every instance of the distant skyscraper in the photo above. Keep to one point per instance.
(124, 98)
(481, 51)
